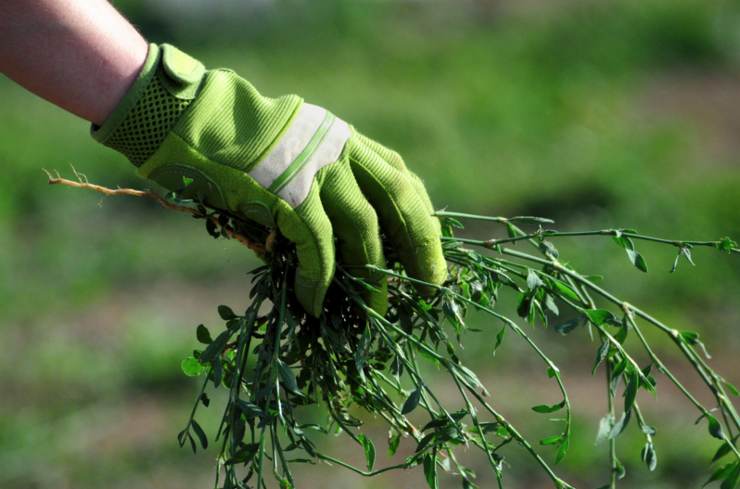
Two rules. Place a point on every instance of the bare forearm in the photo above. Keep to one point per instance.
(81, 55)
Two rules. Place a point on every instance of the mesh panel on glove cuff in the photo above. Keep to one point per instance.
(148, 123)
(163, 90)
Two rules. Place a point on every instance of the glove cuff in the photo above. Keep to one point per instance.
(165, 87)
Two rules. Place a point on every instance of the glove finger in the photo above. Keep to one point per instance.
(356, 229)
(391, 157)
(404, 215)
(396, 161)
(309, 228)
(422, 192)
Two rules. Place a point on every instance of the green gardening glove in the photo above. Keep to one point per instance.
(281, 162)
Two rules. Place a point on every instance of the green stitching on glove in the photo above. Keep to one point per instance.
(282, 162)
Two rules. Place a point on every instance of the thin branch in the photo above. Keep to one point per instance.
(550, 233)
(82, 182)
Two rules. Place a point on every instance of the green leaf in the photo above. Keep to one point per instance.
(624, 329)
(719, 474)
(212, 229)
(424, 442)
(466, 484)
(533, 280)
(478, 293)
(565, 290)
(619, 426)
(551, 306)
(545, 408)
(733, 390)
(649, 456)
(605, 426)
(600, 356)
(647, 429)
(552, 440)
(369, 449)
(192, 367)
(549, 249)
(411, 402)
(562, 450)
(199, 433)
(245, 453)
(217, 372)
(525, 305)
(685, 252)
(394, 439)
(727, 244)
(568, 326)
(430, 471)
(620, 367)
(285, 484)
(489, 426)
(499, 339)
(630, 393)
(534, 307)
(186, 181)
(287, 377)
(502, 431)
(454, 312)
(637, 260)
(205, 399)
(182, 437)
(193, 446)
(623, 241)
(599, 316)
(621, 470)
(214, 349)
(238, 429)
(723, 450)
(225, 312)
(249, 451)
(469, 376)
(674, 267)
(249, 409)
(465, 290)
(690, 337)
(715, 429)
(647, 381)
(436, 423)
(731, 480)
(230, 355)
(203, 335)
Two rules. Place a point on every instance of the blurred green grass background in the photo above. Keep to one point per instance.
(596, 114)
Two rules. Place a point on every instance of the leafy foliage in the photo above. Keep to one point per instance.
(274, 360)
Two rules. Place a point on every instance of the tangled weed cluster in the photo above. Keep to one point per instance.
(275, 361)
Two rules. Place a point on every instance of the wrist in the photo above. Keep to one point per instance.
(103, 132)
